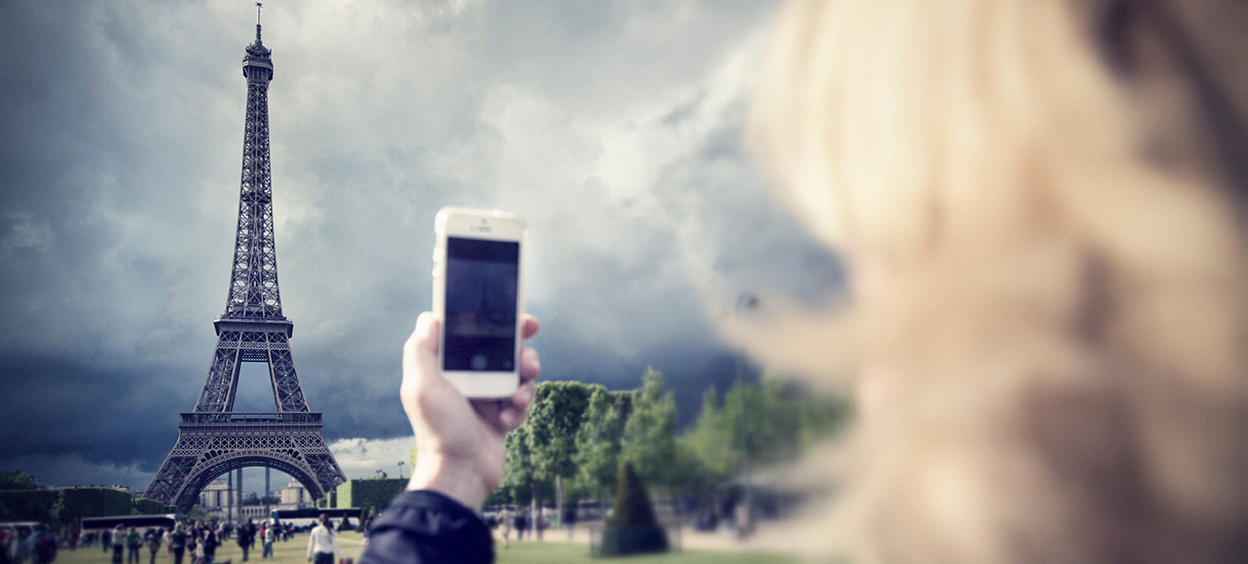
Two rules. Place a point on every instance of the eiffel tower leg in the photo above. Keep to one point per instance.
(286, 387)
(218, 392)
(322, 463)
(172, 474)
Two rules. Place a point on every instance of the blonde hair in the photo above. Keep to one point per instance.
(1046, 267)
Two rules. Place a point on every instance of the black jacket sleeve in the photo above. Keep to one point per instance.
(427, 527)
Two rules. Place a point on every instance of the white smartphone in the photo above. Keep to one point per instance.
(478, 294)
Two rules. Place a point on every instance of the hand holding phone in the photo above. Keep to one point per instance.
(462, 442)
(478, 295)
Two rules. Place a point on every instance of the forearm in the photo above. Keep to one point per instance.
(458, 480)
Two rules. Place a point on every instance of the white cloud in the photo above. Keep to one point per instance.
(614, 127)
(362, 458)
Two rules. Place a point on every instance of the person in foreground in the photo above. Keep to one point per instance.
(461, 459)
(322, 545)
(1042, 207)
(1043, 211)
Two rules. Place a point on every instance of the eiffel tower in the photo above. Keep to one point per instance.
(214, 439)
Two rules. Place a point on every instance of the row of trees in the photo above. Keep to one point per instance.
(578, 435)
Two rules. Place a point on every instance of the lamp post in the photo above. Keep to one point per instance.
(400, 469)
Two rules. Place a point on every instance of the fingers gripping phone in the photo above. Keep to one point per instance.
(478, 294)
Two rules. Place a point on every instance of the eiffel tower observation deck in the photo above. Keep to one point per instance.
(214, 439)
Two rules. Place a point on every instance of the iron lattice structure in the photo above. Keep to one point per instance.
(214, 439)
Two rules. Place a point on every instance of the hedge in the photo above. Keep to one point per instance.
(77, 503)
(632, 527)
(372, 494)
(28, 505)
(65, 507)
(145, 506)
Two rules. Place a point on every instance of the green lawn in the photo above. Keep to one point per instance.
(529, 552)
(526, 552)
(294, 551)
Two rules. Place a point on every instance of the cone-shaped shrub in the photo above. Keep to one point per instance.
(632, 528)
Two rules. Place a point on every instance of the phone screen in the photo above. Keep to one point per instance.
(482, 279)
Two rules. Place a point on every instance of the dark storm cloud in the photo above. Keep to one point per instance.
(613, 127)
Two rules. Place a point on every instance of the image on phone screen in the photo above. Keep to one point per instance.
(481, 284)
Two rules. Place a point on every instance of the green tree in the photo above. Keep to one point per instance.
(712, 442)
(781, 420)
(623, 403)
(28, 505)
(518, 471)
(650, 433)
(198, 513)
(16, 480)
(632, 527)
(598, 445)
(554, 419)
(500, 496)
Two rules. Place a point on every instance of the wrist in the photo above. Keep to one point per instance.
(457, 480)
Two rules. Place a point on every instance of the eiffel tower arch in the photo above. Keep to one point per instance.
(214, 439)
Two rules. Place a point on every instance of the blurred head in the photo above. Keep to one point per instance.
(1041, 207)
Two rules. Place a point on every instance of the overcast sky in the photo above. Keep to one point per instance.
(615, 128)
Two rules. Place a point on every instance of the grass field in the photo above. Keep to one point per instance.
(527, 552)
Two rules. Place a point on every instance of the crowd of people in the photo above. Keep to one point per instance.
(191, 543)
(508, 518)
(19, 545)
(195, 543)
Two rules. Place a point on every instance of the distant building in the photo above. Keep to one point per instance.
(217, 498)
(291, 496)
(294, 496)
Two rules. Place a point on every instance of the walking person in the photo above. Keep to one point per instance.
(195, 548)
(118, 540)
(267, 536)
(177, 543)
(133, 542)
(321, 543)
(208, 546)
(21, 547)
(504, 525)
(44, 551)
(569, 519)
(153, 538)
(7, 536)
(246, 537)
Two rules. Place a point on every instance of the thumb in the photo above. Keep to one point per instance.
(421, 348)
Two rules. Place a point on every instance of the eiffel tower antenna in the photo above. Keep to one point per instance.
(214, 439)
